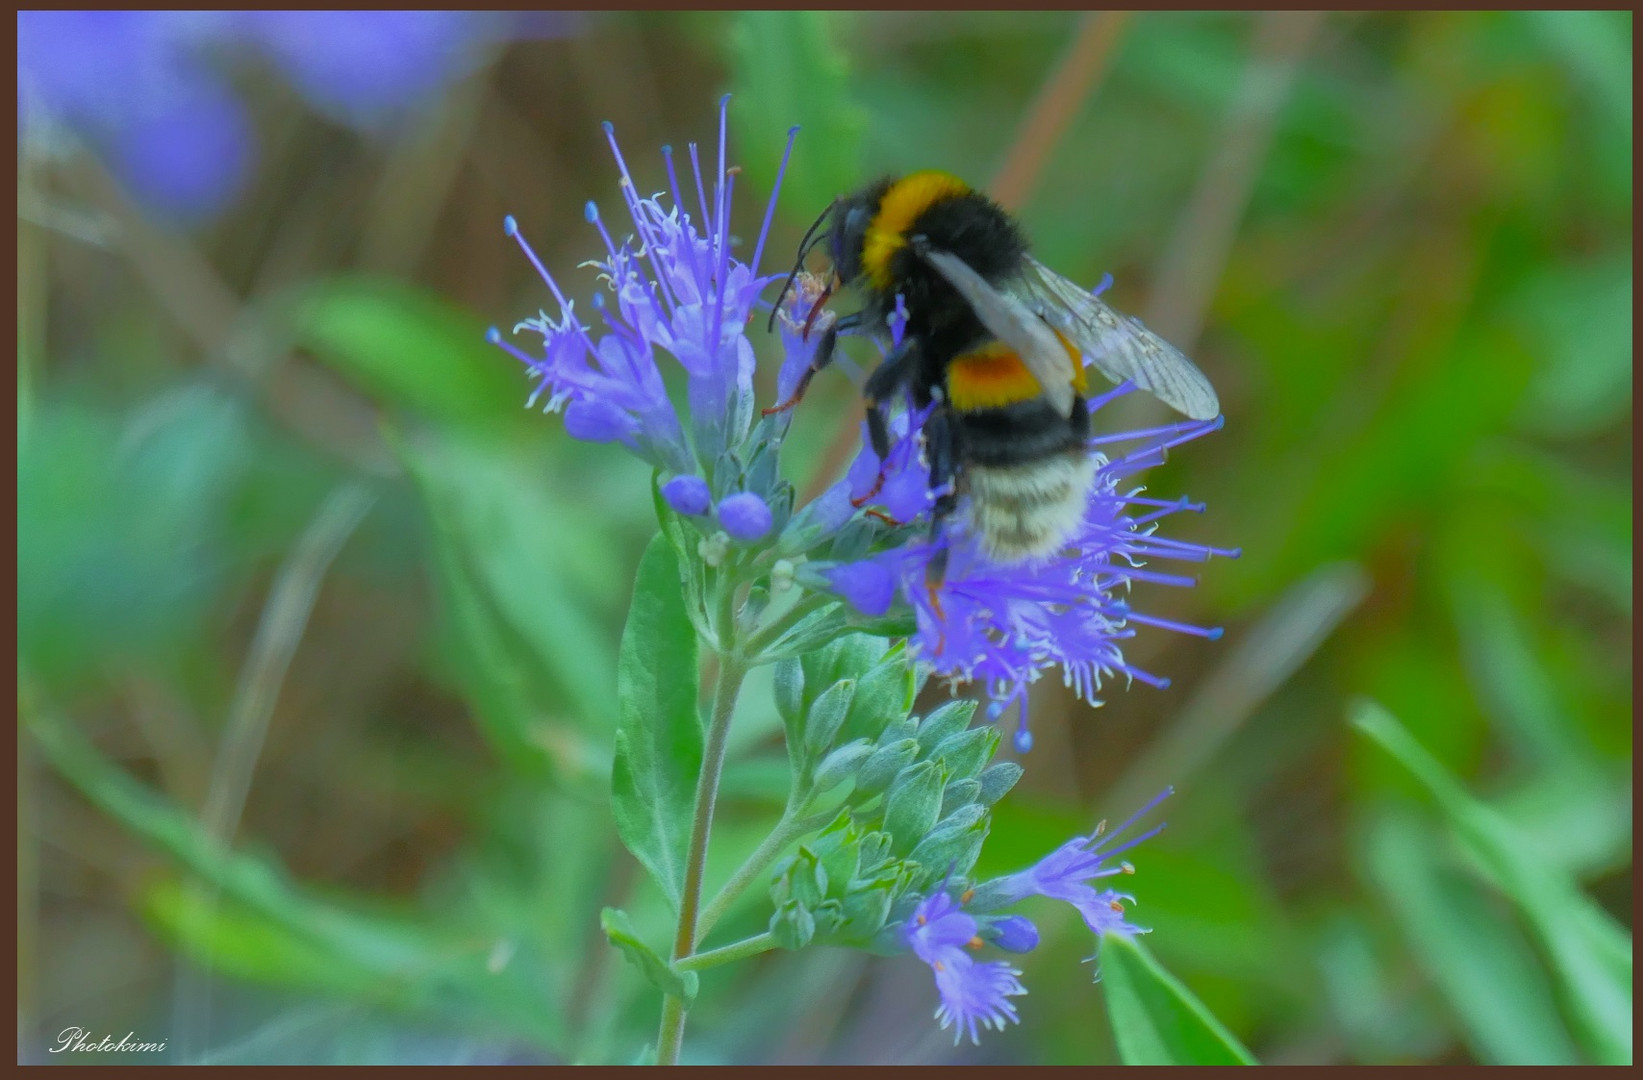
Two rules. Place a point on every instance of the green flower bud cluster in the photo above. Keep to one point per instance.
(918, 806)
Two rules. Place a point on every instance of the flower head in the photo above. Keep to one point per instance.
(972, 992)
(671, 287)
(1065, 874)
(1004, 624)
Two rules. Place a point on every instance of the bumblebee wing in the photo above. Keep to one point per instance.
(1013, 323)
(1118, 344)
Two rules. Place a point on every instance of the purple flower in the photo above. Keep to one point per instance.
(1065, 874)
(672, 287)
(364, 67)
(867, 585)
(141, 87)
(1003, 625)
(745, 516)
(1014, 933)
(972, 992)
(689, 495)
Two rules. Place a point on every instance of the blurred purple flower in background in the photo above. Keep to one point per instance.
(149, 90)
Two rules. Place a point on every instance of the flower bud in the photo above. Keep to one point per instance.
(841, 764)
(744, 516)
(1013, 933)
(868, 586)
(953, 845)
(996, 781)
(688, 495)
(882, 766)
(912, 804)
(959, 793)
(827, 716)
(592, 420)
(965, 753)
(950, 719)
(792, 925)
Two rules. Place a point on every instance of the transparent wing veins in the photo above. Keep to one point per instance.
(1118, 345)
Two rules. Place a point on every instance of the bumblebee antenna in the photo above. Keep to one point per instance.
(798, 264)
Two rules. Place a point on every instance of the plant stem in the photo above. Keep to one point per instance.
(769, 635)
(739, 950)
(732, 668)
(788, 829)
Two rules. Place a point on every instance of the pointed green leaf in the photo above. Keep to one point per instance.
(657, 972)
(1156, 1020)
(1590, 954)
(1477, 957)
(658, 728)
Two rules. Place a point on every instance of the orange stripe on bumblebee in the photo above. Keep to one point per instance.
(901, 206)
(990, 377)
(993, 376)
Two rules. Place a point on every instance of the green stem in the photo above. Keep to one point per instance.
(672, 1033)
(739, 950)
(769, 635)
(732, 669)
(787, 830)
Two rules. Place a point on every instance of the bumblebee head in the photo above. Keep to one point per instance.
(847, 221)
(851, 216)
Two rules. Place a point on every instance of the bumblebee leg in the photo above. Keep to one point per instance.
(886, 379)
(898, 367)
(825, 346)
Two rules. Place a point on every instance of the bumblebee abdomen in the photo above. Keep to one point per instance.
(1032, 510)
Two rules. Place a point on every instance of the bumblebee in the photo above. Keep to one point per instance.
(997, 340)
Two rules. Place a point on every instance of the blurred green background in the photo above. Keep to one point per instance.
(317, 625)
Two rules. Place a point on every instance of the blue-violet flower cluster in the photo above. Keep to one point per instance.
(944, 931)
(674, 288)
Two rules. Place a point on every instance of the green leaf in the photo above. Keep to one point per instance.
(411, 349)
(251, 919)
(658, 727)
(692, 574)
(786, 70)
(1476, 957)
(521, 586)
(1156, 1020)
(815, 631)
(826, 716)
(1580, 318)
(1590, 954)
(657, 972)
